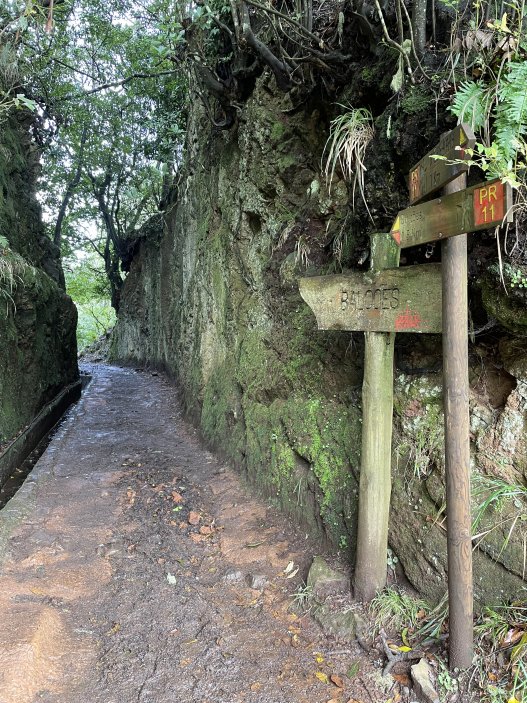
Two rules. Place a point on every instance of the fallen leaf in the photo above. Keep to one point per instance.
(403, 679)
(339, 683)
(396, 648)
(289, 567)
(353, 670)
(293, 573)
(295, 641)
(116, 627)
(172, 580)
(253, 545)
(319, 658)
(37, 591)
(177, 497)
(517, 650)
(194, 518)
(321, 676)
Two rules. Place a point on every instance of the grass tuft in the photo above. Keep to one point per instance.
(393, 609)
(349, 137)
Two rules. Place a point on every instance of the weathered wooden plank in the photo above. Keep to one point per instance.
(430, 174)
(376, 453)
(480, 207)
(395, 300)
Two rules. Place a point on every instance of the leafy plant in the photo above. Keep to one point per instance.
(492, 492)
(302, 598)
(12, 270)
(350, 135)
(445, 681)
(501, 648)
(395, 609)
(498, 107)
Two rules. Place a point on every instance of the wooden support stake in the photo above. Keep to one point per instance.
(376, 456)
(457, 448)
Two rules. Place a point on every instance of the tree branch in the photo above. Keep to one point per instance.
(70, 190)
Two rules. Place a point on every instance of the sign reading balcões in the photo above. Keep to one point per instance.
(394, 300)
(431, 174)
(480, 207)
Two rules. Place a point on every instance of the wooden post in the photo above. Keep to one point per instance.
(457, 447)
(376, 456)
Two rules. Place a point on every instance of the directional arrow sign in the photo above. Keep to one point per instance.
(430, 174)
(394, 300)
(479, 207)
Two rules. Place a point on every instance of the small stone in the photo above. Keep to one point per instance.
(257, 581)
(194, 518)
(233, 576)
(324, 581)
(344, 625)
(423, 683)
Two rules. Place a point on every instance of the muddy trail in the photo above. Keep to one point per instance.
(137, 567)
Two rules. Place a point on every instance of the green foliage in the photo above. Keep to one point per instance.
(350, 135)
(96, 318)
(394, 609)
(492, 493)
(501, 649)
(498, 107)
(114, 105)
(14, 270)
(87, 284)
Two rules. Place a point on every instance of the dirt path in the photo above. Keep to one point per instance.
(126, 566)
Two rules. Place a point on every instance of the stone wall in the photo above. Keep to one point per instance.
(212, 296)
(37, 319)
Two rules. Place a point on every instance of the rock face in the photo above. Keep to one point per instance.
(38, 351)
(212, 297)
(324, 581)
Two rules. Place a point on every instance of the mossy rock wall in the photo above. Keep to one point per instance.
(213, 298)
(38, 351)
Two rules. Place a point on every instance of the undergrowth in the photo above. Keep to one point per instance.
(394, 609)
(14, 269)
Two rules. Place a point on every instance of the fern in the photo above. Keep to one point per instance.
(502, 105)
(471, 104)
(511, 111)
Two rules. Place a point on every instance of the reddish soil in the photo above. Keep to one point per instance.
(126, 566)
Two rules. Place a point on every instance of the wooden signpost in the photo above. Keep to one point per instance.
(431, 174)
(377, 301)
(387, 300)
(480, 207)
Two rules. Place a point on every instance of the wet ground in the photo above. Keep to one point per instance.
(136, 567)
